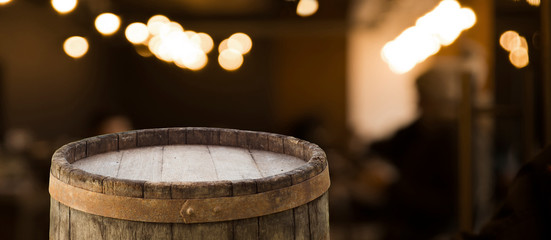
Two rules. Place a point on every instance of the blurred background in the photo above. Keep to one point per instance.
(426, 109)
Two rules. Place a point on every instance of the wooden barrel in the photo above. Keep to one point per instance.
(189, 183)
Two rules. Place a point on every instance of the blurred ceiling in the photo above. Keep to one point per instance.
(262, 9)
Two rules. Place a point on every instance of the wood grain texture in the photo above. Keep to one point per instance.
(85, 226)
(319, 217)
(233, 163)
(64, 229)
(54, 219)
(189, 163)
(152, 137)
(102, 144)
(203, 136)
(203, 231)
(277, 226)
(128, 140)
(177, 136)
(302, 222)
(246, 229)
(181, 163)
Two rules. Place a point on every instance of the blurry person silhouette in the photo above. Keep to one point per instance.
(422, 204)
(526, 211)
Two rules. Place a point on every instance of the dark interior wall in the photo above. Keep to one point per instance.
(309, 82)
(42, 88)
(295, 70)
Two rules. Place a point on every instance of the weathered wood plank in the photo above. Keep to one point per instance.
(128, 140)
(277, 226)
(302, 222)
(292, 147)
(275, 143)
(121, 229)
(127, 188)
(142, 164)
(233, 163)
(54, 219)
(177, 136)
(85, 180)
(246, 229)
(187, 163)
(104, 164)
(85, 226)
(156, 231)
(64, 231)
(102, 144)
(152, 137)
(203, 231)
(158, 190)
(319, 217)
(270, 163)
(201, 189)
(80, 150)
(203, 136)
(258, 141)
(228, 137)
(242, 139)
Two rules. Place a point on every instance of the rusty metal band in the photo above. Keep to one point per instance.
(190, 210)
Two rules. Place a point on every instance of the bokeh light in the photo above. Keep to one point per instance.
(206, 42)
(509, 40)
(240, 42)
(306, 8)
(535, 3)
(517, 46)
(155, 23)
(223, 45)
(230, 59)
(137, 33)
(519, 57)
(437, 28)
(107, 23)
(75, 46)
(64, 6)
(2, 2)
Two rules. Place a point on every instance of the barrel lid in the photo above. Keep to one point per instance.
(188, 163)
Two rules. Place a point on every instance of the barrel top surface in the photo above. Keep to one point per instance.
(189, 163)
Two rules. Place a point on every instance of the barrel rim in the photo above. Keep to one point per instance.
(62, 159)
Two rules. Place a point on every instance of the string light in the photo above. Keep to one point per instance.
(75, 46)
(437, 28)
(64, 6)
(107, 23)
